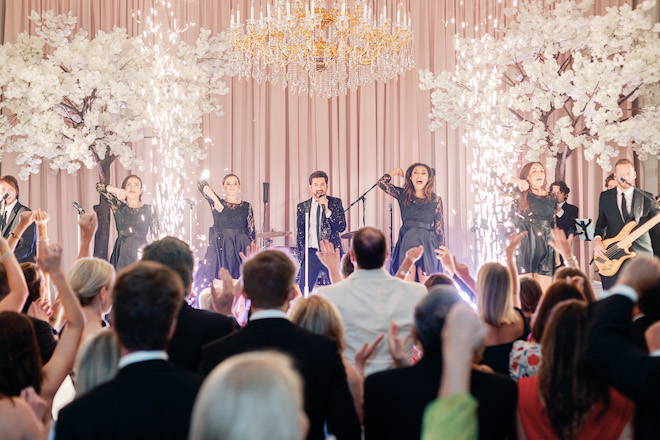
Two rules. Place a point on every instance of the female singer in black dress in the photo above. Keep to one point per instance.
(535, 214)
(421, 212)
(232, 232)
(132, 218)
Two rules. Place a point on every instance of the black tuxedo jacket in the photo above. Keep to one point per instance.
(151, 399)
(194, 329)
(614, 357)
(330, 227)
(395, 400)
(610, 223)
(26, 248)
(327, 397)
(567, 221)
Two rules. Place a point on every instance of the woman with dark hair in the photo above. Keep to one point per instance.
(232, 231)
(566, 400)
(133, 219)
(535, 214)
(525, 358)
(423, 220)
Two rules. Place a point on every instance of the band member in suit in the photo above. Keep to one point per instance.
(566, 213)
(326, 221)
(10, 212)
(619, 206)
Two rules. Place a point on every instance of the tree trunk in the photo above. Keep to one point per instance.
(560, 170)
(103, 210)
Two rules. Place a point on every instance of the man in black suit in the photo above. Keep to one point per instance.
(149, 397)
(326, 221)
(10, 214)
(612, 353)
(619, 206)
(566, 213)
(269, 283)
(195, 328)
(395, 400)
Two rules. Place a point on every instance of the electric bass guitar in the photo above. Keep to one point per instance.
(617, 248)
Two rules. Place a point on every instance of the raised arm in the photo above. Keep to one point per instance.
(18, 290)
(25, 220)
(88, 223)
(60, 364)
(210, 195)
(114, 196)
(385, 183)
(439, 222)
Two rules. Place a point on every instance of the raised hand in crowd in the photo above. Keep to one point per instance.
(55, 371)
(25, 219)
(397, 347)
(88, 223)
(364, 353)
(412, 256)
(18, 291)
(222, 300)
(330, 257)
(454, 267)
(40, 309)
(250, 250)
(563, 246)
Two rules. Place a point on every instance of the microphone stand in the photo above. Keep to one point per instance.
(652, 199)
(391, 230)
(364, 199)
(190, 232)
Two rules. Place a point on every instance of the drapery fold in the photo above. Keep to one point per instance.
(269, 135)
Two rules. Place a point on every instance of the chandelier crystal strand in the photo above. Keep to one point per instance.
(321, 51)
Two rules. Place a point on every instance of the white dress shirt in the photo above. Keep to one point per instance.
(561, 209)
(142, 356)
(312, 238)
(367, 301)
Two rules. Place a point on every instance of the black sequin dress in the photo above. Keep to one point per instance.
(133, 224)
(535, 255)
(231, 233)
(423, 224)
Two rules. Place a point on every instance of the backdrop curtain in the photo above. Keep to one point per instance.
(269, 135)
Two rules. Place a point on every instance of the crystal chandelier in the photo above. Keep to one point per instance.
(320, 50)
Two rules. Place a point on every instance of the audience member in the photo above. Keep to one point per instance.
(149, 397)
(22, 417)
(505, 322)
(91, 279)
(20, 362)
(438, 279)
(453, 415)
(370, 298)
(268, 282)
(318, 315)
(530, 295)
(567, 400)
(195, 328)
(251, 396)
(526, 356)
(97, 361)
(613, 355)
(582, 283)
(394, 400)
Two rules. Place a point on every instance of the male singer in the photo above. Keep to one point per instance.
(326, 221)
(10, 212)
(619, 206)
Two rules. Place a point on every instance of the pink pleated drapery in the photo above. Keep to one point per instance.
(269, 135)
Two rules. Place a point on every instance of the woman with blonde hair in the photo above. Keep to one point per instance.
(91, 279)
(251, 396)
(319, 315)
(506, 323)
(97, 361)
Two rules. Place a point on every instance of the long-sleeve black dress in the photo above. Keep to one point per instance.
(535, 254)
(231, 233)
(132, 227)
(423, 224)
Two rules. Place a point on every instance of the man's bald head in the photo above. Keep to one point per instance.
(369, 248)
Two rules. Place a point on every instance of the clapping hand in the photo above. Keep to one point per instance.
(250, 250)
(396, 346)
(50, 258)
(446, 259)
(88, 223)
(415, 253)
(223, 300)
(40, 217)
(40, 309)
(563, 245)
(514, 243)
(365, 353)
(25, 219)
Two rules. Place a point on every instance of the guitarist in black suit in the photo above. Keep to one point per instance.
(619, 206)
(10, 214)
(326, 221)
(566, 213)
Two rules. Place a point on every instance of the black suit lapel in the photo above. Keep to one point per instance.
(637, 205)
(10, 220)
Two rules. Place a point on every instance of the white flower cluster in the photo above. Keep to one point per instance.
(557, 81)
(71, 100)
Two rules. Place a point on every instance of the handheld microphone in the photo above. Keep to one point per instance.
(5, 197)
(623, 180)
(79, 208)
(266, 188)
